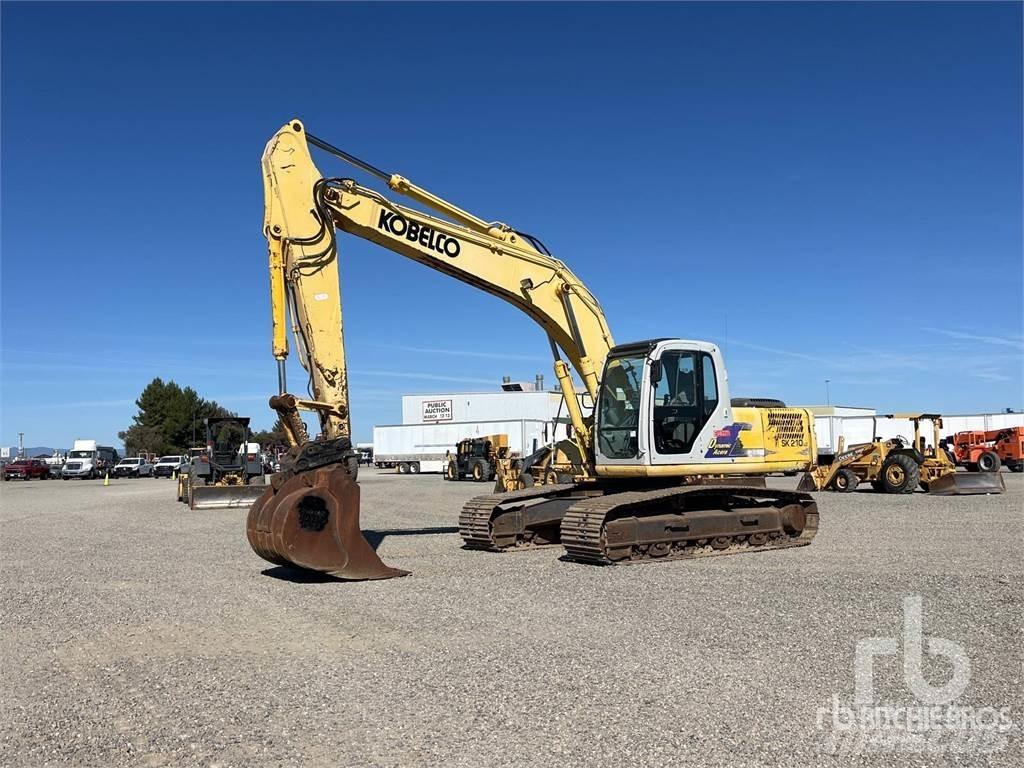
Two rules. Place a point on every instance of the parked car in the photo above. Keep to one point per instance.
(26, 469)
(135, 467)
(168, 465)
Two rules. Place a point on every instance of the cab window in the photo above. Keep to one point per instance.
(685, 397)
(619, 407)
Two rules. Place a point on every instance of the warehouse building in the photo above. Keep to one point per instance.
(432, 424)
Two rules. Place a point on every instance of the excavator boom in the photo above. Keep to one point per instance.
(302, 212)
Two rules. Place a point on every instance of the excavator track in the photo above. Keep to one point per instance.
(500, 522)
(686, 522)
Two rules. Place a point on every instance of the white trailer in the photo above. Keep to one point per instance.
(414, 448)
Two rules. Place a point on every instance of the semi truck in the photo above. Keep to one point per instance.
(87, 460)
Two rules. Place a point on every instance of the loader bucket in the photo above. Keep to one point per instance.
(224, 496)
(967, 484)
(312, 521)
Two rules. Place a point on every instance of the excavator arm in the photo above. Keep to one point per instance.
(310, 515)
(303, 210)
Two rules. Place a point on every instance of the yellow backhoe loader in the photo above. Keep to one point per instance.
(658, 470)
(898, 465)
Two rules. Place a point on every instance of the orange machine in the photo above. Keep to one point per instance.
(986, 451)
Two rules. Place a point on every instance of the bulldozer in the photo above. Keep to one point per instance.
(899, 466)
(479, 458)
(229, 473)
(659, 470)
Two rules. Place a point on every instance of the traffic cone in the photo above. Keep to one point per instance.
(106, 479)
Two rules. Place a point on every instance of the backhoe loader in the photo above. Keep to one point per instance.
(898, 466)
(659, 471)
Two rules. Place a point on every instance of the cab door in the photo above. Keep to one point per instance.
(690, 416)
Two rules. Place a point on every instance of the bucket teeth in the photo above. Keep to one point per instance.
(312, 521)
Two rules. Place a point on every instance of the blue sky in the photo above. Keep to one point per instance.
(829, 191)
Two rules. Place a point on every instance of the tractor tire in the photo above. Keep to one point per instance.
(845, 481)
(452, 472)
(989, 462)
(403, 468)
(550, 477)
(972, 466)
(481, 472)
(1016, 467)
(900, 474)
(414, 467)
(877, 485)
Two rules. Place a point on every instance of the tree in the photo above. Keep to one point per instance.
(168, 417)
(139, 439)
(275, 436)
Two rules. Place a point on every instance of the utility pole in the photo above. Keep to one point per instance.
(828, 397)
(21, 445)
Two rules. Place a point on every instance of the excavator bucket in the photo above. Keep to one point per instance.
(224, 496)
(312, 521)
(967, 484)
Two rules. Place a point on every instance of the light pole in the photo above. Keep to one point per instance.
(828, 397)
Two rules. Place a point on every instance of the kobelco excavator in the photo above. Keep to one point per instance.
(655, 472)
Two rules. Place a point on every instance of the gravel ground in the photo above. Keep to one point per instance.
(138, 633)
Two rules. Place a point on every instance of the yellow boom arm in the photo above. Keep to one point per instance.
(302, 211)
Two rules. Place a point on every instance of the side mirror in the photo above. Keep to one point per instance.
(655, 371)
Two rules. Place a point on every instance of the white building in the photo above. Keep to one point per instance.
(432, 424)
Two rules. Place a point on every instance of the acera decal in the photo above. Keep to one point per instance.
(727, 442)
(428, 237)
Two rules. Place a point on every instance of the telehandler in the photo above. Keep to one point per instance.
(658, 471)
(988, 450)
(479, 458)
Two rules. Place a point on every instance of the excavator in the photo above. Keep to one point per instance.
(666, 466)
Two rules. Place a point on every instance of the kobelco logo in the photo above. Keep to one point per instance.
(428, 237)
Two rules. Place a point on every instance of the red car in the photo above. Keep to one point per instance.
(26, 469)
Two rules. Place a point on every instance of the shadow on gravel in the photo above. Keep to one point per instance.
(299, 575)
(302, 576)
(376, 537)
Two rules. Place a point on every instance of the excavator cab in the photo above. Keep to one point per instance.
(664, 404)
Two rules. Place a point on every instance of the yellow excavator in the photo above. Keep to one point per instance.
(661, 469)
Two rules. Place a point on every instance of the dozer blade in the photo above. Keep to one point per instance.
(967, 484)
(224, 496)
(312, 521)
